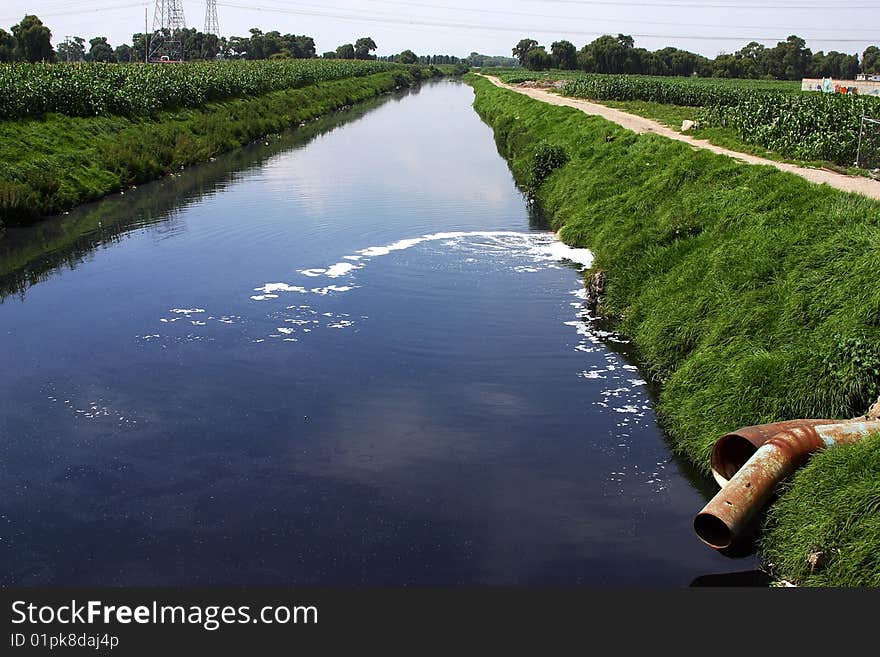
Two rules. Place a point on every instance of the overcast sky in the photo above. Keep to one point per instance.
(490, 26)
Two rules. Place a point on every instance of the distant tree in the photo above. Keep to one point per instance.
(753, 58)
(672, 61)
(728, 66)
(345, 51)
(239, 47)
(255, 47)
(538, 59)
(272, 43)
(139, 43)
(100, 50)
(608, 54)
(300, 47)
(33, 40)
(125, 54)
(363, 47)
(834, 65)
(521, 50)
(408, 57)
(73, 50)
(564, 55)
(789, 60)
(796, 58)
(330, 54)
(871, 60)
(7, 46)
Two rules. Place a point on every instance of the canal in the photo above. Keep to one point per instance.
(349, 355)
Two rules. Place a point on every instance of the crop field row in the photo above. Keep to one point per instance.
(690, 92)
(515, 76)
(811, 126)
(135, 89)
(772, 114)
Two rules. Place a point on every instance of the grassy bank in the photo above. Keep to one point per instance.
(750, 293)
(52, 163)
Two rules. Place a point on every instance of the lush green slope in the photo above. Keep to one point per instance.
(55, 162)
(751, 294)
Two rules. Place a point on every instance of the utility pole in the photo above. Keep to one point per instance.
(146, 40)
(168, 23)
(67, 47)
(212, 23)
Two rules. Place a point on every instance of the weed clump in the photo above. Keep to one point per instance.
(545, 160)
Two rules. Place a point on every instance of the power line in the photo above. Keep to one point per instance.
(704, 5)
(519, 30)
(591, 19)
(83, 10)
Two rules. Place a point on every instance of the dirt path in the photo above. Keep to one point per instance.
(642, 125)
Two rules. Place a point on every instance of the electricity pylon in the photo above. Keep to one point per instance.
(212, 23)
(166, 40)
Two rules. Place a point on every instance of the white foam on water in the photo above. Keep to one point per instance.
(324, 291)
(340, 269)
(269, 288)
(540, 247)
(186, 311)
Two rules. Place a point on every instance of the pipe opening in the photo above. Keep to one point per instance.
(712, 531)
(730, 453)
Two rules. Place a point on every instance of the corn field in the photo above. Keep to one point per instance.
(806, 126)
(690, 92)
(133, 89)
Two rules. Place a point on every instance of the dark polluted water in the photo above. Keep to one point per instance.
(347, 356)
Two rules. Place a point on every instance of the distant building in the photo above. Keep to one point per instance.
(865, 85)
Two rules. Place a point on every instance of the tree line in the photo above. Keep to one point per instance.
(788, 60)
(31, 41)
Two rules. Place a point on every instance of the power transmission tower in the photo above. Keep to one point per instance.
(167, 40)
(212, 23)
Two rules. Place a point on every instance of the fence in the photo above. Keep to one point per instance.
(868, 152)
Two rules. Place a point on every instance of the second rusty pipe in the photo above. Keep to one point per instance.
(732, 450)
(724, 518)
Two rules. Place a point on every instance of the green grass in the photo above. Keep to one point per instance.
(832, 507)
(750, 293)
(55, 162)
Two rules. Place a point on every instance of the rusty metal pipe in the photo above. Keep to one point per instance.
(724, 518)
(731, 451)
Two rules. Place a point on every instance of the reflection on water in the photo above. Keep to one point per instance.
(28, 255)
(354, 356)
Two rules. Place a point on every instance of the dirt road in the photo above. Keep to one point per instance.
(641, 125)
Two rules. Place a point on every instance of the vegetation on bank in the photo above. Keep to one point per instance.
(128, 90)
(830, 510)
(806, 126)
(55, 162)
(766, 117)
(750, 293)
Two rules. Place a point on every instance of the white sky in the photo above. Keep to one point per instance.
(488, 26)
